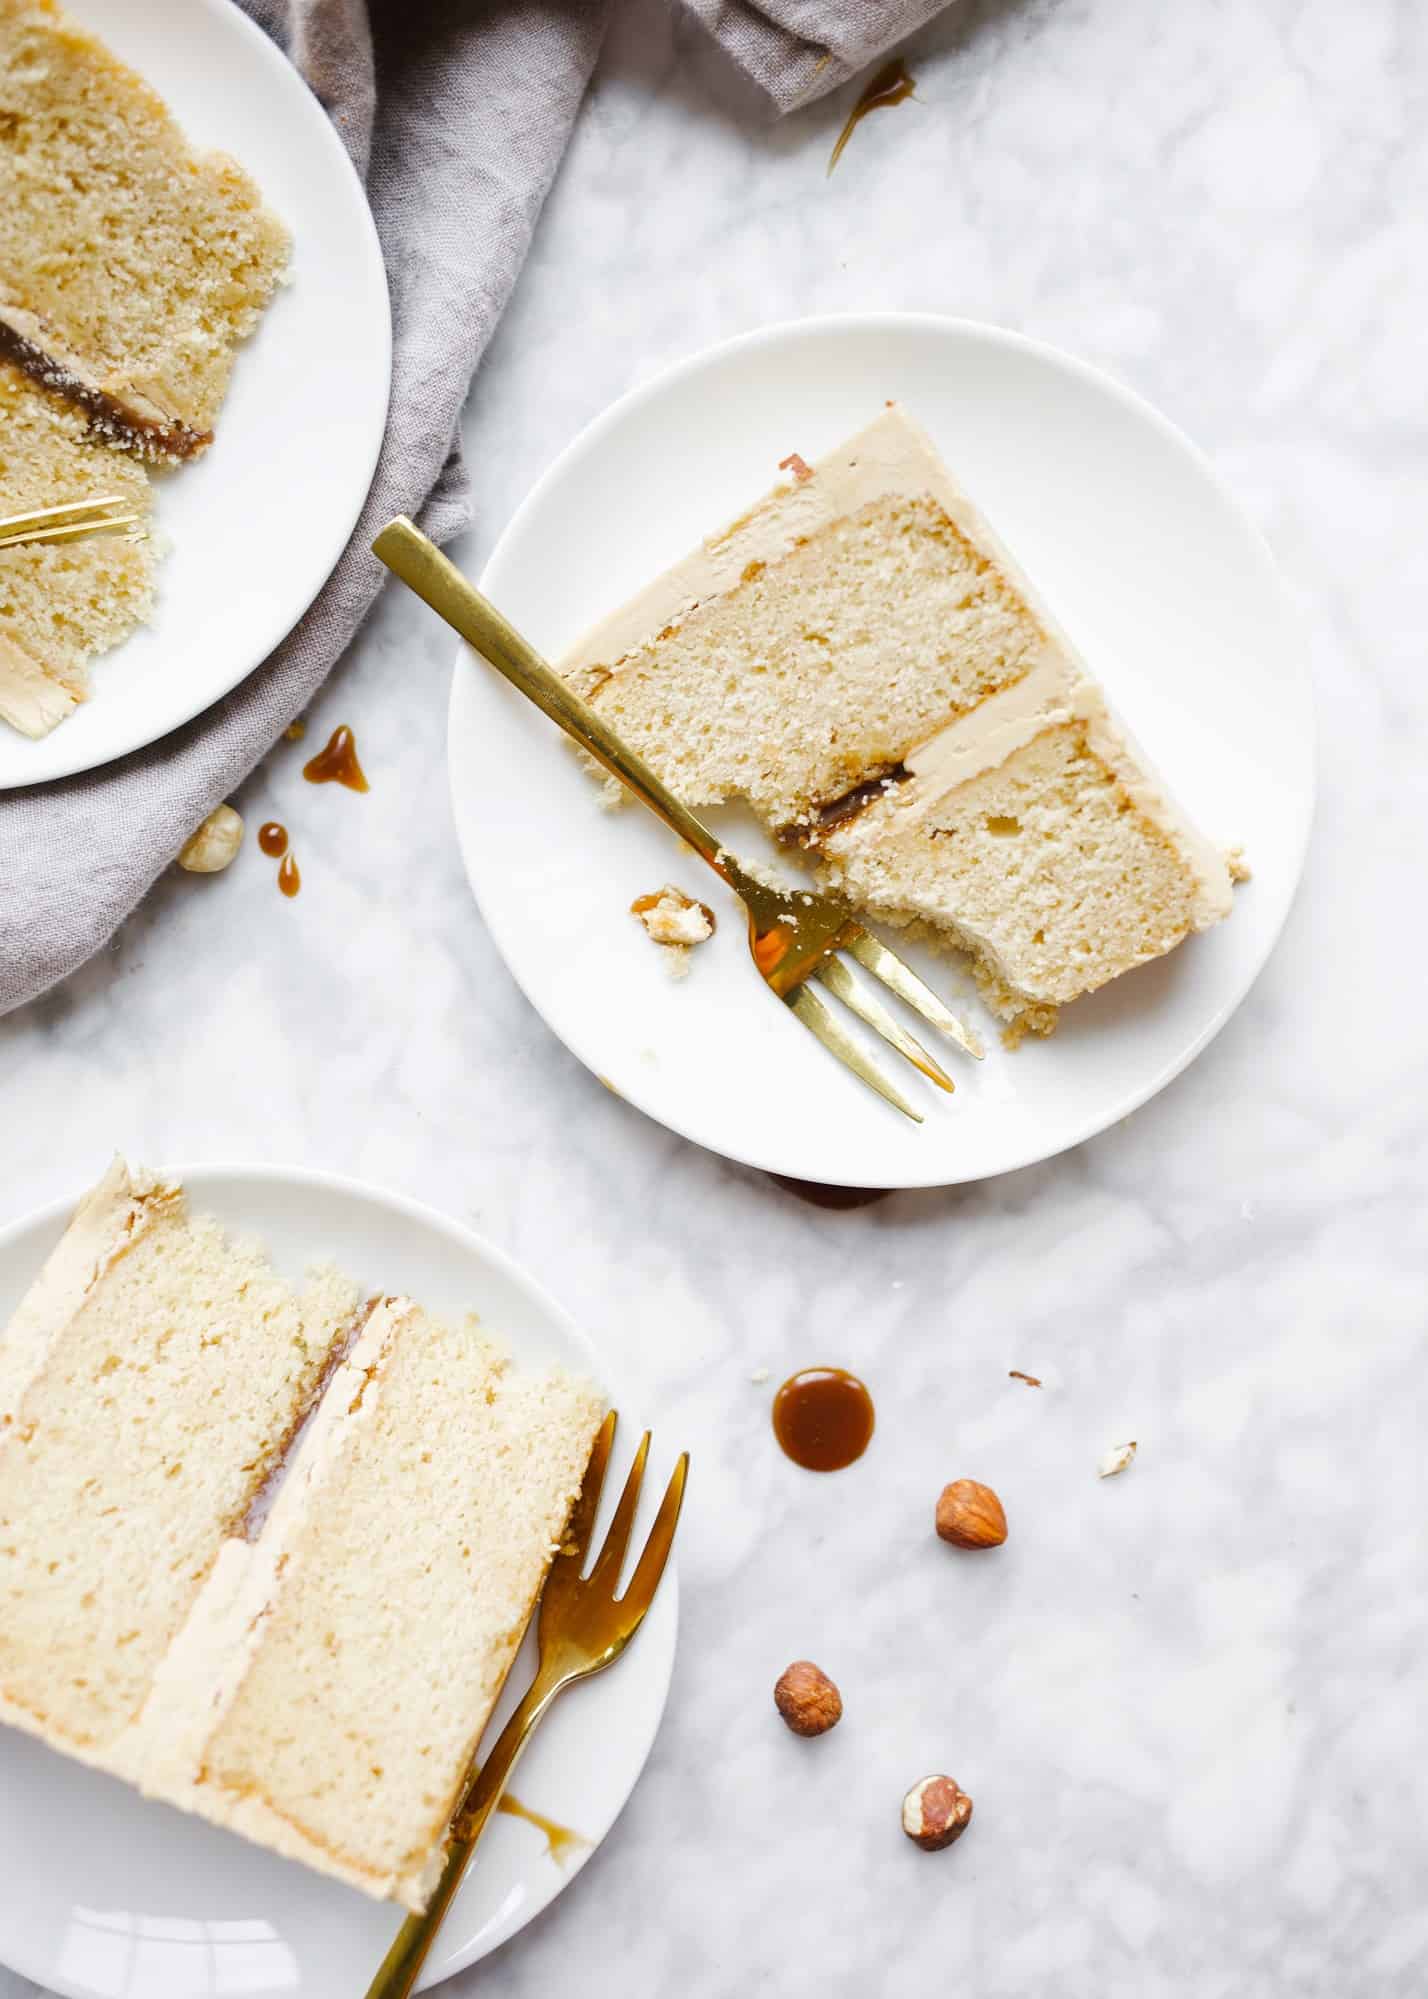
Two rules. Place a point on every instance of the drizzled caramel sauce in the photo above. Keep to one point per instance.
(273, 839)
(560, 1841)
(823, 1418)
(336, 762)
(893, 84)
(819, 1196)
(289, 880)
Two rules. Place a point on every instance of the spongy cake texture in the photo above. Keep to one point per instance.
(1043, 868)
(266, 1554)
(422, 1534)
(145, 1387)
(130, 265)
(819, 669)
(861, 659)
(61, 605)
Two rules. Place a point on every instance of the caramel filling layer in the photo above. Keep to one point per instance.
(146, 437)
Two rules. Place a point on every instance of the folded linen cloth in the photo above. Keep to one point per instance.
(456, 113)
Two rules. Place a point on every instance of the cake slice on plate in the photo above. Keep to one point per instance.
(296, 1628)
(131, 266)
(861, 660)
(62, 605)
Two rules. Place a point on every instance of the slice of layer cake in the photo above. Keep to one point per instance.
(298, 1636)
(130, 265)
(860, 659)
(148, 1382)
(386, 1598)
(60, 606)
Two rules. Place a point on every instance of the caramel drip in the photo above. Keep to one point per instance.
(273, 839)
(336, 762)
(560, 1841)
(110, 419)
(289, 880)
(284, 1453)
(838, 811)
(893, 84)
(823, 1418)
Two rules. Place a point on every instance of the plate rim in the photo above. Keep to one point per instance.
(468, 1239)
(992, 333)
(68, 764)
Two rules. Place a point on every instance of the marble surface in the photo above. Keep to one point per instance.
(1188, 1702)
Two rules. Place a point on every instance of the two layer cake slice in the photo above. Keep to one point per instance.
(366, 1633)
(268, 1554)
(860, 659)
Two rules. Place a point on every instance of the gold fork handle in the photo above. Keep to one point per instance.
(422, 566)
(401, 1967)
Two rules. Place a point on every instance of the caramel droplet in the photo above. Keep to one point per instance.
(289, 880)
(336, 762)
(893, 84)
(273, 839)
(560, 1841)
(823, 1418)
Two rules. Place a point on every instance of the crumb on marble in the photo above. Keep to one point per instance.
(1118, 1459)
(1031, 1380)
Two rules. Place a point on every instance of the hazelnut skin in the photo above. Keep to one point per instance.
(970, 1515)
(807, 1699)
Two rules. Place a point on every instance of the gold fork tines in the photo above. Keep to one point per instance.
(583, 1627)
(70, 522)
(795, 935)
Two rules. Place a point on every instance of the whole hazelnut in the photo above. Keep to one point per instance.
(935, 1812)
(807, 1699)
(209, 850)
(970, 1515)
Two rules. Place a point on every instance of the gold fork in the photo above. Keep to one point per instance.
(794, 934)
(70, 522)
(583, 1627)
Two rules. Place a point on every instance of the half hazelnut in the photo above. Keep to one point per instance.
(935, 1812)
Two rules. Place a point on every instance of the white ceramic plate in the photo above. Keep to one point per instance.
(1142, 553)
(107, 1894)
(256, 525)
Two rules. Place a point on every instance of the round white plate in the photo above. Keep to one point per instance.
(255, 526)
(1149, 563)
(107, 1894)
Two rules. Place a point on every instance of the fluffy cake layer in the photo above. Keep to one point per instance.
(861, 660)
(886, 618)
(130, 265)
(147, 1382)
(317, 1679)
(1043, 867)
(394, 1580)
(61, 606)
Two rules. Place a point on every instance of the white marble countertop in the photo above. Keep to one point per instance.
(1188, 1702)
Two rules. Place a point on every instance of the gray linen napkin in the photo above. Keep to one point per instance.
(456, 113)
(798, 49)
